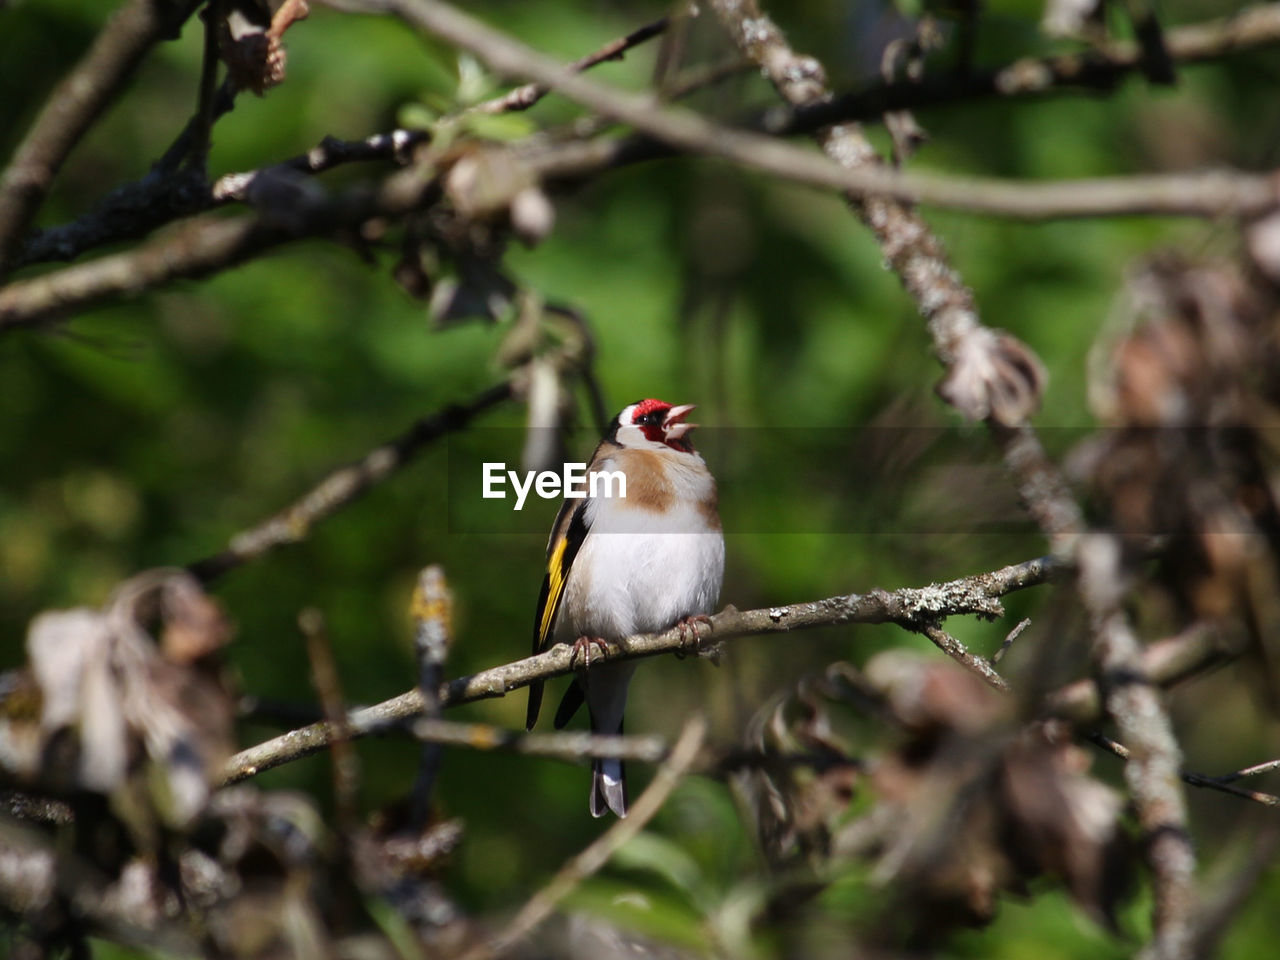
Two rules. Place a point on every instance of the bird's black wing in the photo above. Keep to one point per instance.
(567, 535)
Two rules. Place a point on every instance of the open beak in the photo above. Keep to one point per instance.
(674, 425)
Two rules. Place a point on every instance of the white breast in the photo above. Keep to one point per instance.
(640, 571)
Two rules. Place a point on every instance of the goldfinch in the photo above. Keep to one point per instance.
(618, 565)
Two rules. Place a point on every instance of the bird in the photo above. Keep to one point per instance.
(619, 565)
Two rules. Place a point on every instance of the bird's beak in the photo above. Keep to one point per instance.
(674, 425)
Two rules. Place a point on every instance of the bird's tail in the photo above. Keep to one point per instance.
(608, 787)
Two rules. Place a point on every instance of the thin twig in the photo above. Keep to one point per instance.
(324, 677)
(206, 245)
(1008, 641)
(432, 609)
(579, 746)
(1253, 771)
(570, 746)
(346, 484)
(198, 157)
(1100, 68)
(958, 652)
(329, 153)
(544, 902)
(134, 209)
(1166, 662)
(1195, 779)
(524, 97)
(911, 607)
(75, 105)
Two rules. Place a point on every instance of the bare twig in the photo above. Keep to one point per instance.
(570, 746)
(544, 902)
(196, 249)
(209, 244)
(1253, 771)
(1210, 783)
(1100, 68)
(329, 153)
(75, 105)
(324, 677)
(432, 610)
(1008, 641)
(524, 97)
(1167, 662)
(345, 484)
(204, 116)
(1195, 779)
(26, 806)
(958, 652)
(912, 607)
(135, 209)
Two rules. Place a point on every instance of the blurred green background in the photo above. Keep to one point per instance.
(148, 431)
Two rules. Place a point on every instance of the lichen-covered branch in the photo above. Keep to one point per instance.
(994, 378)
(912, 607)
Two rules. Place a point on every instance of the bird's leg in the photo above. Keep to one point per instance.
(582, 648)
(689, 633)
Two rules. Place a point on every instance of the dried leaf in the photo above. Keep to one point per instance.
(250, 41)
(994, 375)
(974, 810)
(116, 717)
(1062, 822)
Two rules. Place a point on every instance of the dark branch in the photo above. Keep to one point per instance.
(75, 105)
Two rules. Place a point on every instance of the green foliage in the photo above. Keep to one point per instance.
(149, 431)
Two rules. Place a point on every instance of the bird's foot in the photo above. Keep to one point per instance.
(690, 635)
(582, 648)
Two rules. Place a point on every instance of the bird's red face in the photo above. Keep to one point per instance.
(660, 422)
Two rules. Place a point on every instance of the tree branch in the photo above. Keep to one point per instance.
(164, 195)
(75, 105)
(1203, 194)
(1100, 68)
(910, 607)
(344, 485)
(207, 245)
(1195, 779)
(524, 97)
(135, 209)
(543, 903)
(998, 380)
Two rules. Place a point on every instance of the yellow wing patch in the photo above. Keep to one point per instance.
(555, 571)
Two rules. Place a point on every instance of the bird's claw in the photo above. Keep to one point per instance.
(582, 648)
(690, 637)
